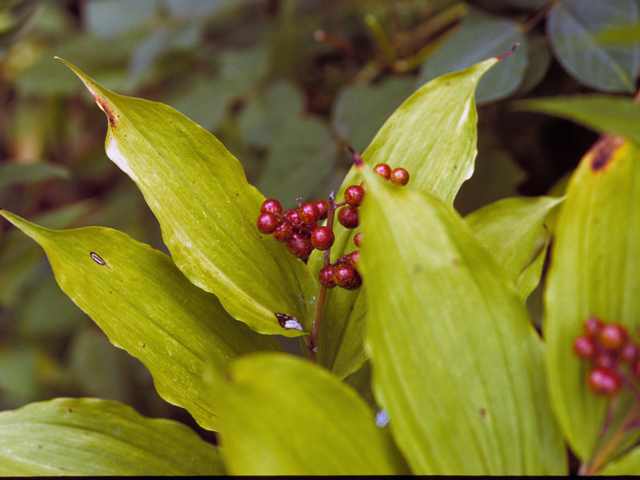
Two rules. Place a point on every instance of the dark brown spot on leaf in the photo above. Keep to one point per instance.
(603, 151)
(108, 109)
(483, 413)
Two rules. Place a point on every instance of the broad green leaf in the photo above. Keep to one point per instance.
(433, 135)
(573, 29)
(87, 436)
(207, 212)
(603, 113)
(146, 306)
(512, 230)
(629, 464)
(281, 415)
(480, 36)
(594, 270)
(456, 362)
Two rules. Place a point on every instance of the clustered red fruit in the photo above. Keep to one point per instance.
(299, 231)
(610, 350)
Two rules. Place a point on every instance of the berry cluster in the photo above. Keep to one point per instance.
(299, 231)
(609, 348)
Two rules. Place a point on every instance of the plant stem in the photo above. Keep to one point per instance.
(326, 260)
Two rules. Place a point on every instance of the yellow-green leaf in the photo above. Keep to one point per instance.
(456, 362)
(88, 436)
(281, 415)
(207, 212)
(145, 305)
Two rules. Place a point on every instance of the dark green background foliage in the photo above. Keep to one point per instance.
(284, 85)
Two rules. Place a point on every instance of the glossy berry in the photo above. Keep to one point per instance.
(267, 223)
(322, 238)
(284, 232)
(352, 259)
(326, 275)
(593, 326)
(358, 239)
(584, 347)
(604, 381)
(309, 213)
(293, 216)
(323, 208)
(346, 277)
(629, 353)
(299, 246)
(399, 176)
(612, 336)
(271, 206)
(383, 170)
(353, 195)
(349, 217)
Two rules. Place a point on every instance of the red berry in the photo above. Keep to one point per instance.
(322, 238)
(358, 239)
(383, 170)
(348, 216)
(284, 232)
(271, 206)
(326, 275)
(352, 259)
(592, 326)
(629, 353)
(309, 213)
(267, 223)
(584, 347)
(604, 381)
(353, 195)
(399, 176)
(604, 358)
(323, 208)
(612, 336)
(293, 216)
(299, 246)
(635, 369)
(347, 278)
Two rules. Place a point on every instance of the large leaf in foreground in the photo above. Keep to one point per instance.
(145, 305)
(281, 415)
(433, 135)
(207, 211)
(456, 362)
(97, 437)
(594, 270)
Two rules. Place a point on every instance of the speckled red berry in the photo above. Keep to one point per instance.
(322, 238)
(347, 278)
(271, 206)
(309, 213)
(383, 170)
(299, 246)
(399, 176)
(326, 275)
(612, 336)
(267, 223)
(358, 239)
(284, 232)
(323, 208)
(584, 347)
(293, 216)
(629, 353)
(604, 381)
(352, 259)
(592, 326)
(349, 216)
(354, 195)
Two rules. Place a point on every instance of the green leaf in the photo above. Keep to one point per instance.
(512, 230)
(594, 270)
(481, 36)
(629, 464)
(433, 135)
(98, 437)
(456, 362)
(12, 173)
(207, 211)
(622, 114)
(573, 31)
(146, 306)
(281, 415)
